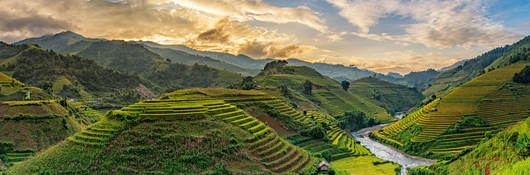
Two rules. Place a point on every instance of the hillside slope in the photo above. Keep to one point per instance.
(446, 127)
(470, 69)
(34, 122)
(133, 58)
(327, 94)
(393, 97)
(504, 153)
(72, 77)
(197, 131)
(182, 57)
(170, 134)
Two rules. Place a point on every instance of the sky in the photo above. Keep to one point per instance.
(379, 35)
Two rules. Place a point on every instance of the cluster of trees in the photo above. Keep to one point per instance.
(522, 54)
(247, 83)
(523, 76)
(355, 120)
(345, 85)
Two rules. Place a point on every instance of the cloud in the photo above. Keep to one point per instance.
(250, 10)
(205, 25)
(437, 23)
(402, 62)
(239, 38)
(16, 23)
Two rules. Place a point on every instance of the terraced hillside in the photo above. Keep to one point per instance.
(327, 94)
(393, 97)
(460, 120)
(472, 68)
(195, 131)
(184, 123)
(29, 125)
(73, 77)
(504, 153)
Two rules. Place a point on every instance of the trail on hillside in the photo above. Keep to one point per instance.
(387, 152)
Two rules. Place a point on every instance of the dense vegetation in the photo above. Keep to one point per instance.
(523, 76)
(393, 97)
(32, 120)
(310, 90)
(134, 58)
(72, 77)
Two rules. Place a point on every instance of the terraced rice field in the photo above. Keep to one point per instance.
(277, 155)
(98, 134)
(397, 127)
(491, 97)
(343, 140)
(15, 157)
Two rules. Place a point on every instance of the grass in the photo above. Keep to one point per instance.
(363, 165)
(224, 136)
(492, 98)
(8, 81)
(327, 94)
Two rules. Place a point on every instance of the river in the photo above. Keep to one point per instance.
(386, 152)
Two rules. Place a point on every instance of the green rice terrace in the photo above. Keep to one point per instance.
(201, 131)
(32, 120)
(449, 125)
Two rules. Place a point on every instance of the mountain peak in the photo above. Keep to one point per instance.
(69, 34)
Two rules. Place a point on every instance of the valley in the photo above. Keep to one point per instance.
(285, 119)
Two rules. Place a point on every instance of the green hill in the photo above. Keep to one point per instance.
(327, 94)
(73, 77)
(504, 153)
(449, 125)
(392, 97)
(472, 68)
(134, 58)
(33, 123)
(201, 131)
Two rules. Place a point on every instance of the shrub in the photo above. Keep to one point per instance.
(315, 131)
(326, 155)
(523, 144)
(523, 76)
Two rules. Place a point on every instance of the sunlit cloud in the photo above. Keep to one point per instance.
(347, 34)
(437, 23)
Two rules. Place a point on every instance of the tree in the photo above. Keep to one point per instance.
(285, 91)
(523, 76)
(248, 83)
(308, 87)
(345, 85)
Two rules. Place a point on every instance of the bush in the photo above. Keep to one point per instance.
(315, 131)
(523, 144)
(326, 155)
(523, 76)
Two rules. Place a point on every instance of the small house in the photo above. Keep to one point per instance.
(323, 166)
(434, 110)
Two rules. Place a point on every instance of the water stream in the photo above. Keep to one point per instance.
(386, 152)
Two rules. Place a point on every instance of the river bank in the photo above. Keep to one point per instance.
(387, 152)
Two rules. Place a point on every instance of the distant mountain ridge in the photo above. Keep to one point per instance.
(136, 59)
(336, 71)
(71, 43)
